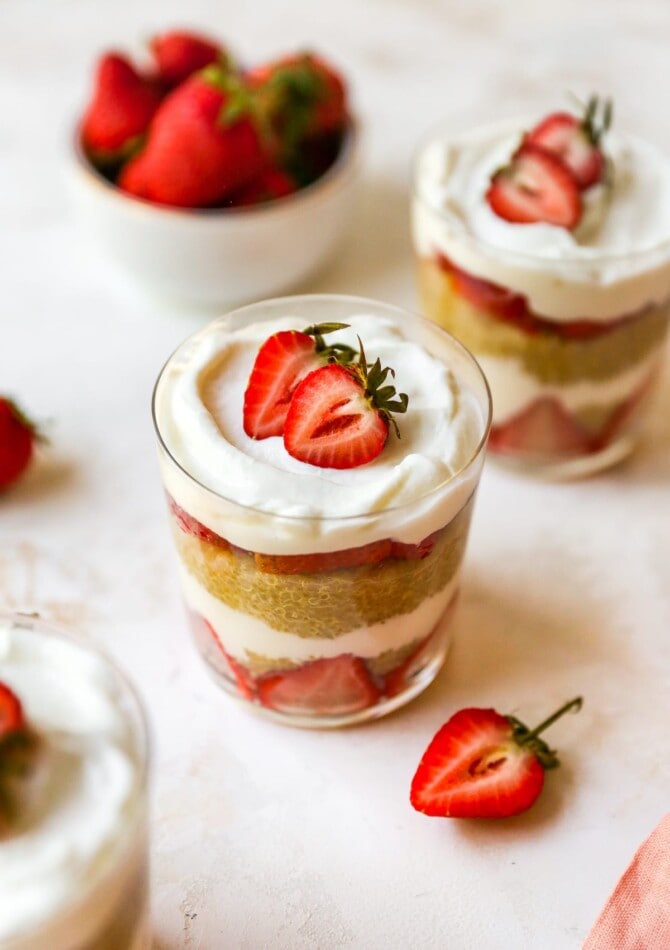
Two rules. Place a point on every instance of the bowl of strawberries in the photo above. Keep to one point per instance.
(210, 183)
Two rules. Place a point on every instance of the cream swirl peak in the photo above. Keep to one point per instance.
(616, 261)
(198, 409)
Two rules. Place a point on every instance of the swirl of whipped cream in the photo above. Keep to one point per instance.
(256, 495)
(616, 262)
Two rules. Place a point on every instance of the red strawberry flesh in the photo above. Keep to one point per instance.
(282, 361)
(331, 423)
(327, 687)
(543, 428)
(564, 135)
(535, 187)
(11, 712)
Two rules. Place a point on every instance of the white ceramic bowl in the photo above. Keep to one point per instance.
(226, 255)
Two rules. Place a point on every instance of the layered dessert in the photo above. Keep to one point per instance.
(546, 249)
(73, 847)
(319, 503)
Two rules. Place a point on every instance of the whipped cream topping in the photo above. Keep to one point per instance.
(81, 809)
(199, 411)
(617, 261)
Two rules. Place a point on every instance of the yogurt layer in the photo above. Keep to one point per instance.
(513, 389)
(616, 262)
(75, 849)
(254, 494)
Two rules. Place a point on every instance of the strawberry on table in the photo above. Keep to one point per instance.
(119, 113)
(179, 53)
(326, 687)
(17, 439)
(204, 143)
(11, 712)
(484, 765)
(577, 141)
(535, 187)
(281, 363)
(339, 415)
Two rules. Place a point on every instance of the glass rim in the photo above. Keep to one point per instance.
(315, 298)
(441, 134)
(35, 622)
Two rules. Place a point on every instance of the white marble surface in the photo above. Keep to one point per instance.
(265, 837)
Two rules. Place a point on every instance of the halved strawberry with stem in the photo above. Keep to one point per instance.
(11, 712)
(576, 140)
(535, 187)
(339, 415)
(333, 686)
(282, 361)
(484, 765)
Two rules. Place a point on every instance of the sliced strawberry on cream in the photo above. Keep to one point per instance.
(535, 187)
(577, 141)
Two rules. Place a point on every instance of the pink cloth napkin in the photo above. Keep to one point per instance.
(637, 915)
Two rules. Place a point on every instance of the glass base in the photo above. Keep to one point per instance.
(417, 682)
(567, 469)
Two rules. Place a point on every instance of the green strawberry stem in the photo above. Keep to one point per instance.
(336, 352)
(574, 705)
(530, 739)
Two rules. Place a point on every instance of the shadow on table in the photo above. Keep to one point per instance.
(48, 474)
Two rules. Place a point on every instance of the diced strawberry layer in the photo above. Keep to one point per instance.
(371, 553)
(328, 687)
(506, 305)
(398, 679)
(544, 428)
(11, 712)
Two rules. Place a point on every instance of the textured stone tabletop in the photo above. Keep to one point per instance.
(266, 837)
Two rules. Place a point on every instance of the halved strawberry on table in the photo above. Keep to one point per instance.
(339, 416)
(576, 140)
(122, 106)
(205, 142)
(484, 765)
(336, 686)
(281, 363)
(180, 53)
(535, 187)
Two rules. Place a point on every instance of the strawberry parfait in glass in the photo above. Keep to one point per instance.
(320, 456)
(73, 796)
(546, 250)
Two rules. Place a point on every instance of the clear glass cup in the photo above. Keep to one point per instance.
(571, 370)
(74, 869)
(363, 625)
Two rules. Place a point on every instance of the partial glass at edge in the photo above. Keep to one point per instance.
(495, 323)
(113, 910)
(226, 587)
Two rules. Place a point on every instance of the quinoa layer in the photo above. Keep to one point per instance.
(551, 358)
(325, 605)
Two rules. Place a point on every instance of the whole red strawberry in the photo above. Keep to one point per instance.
(180, 53)
(11, 712)
(120, 110)
(17, 439)
(204, 143)
(484, 765)
(303, 95)
(272, 183)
